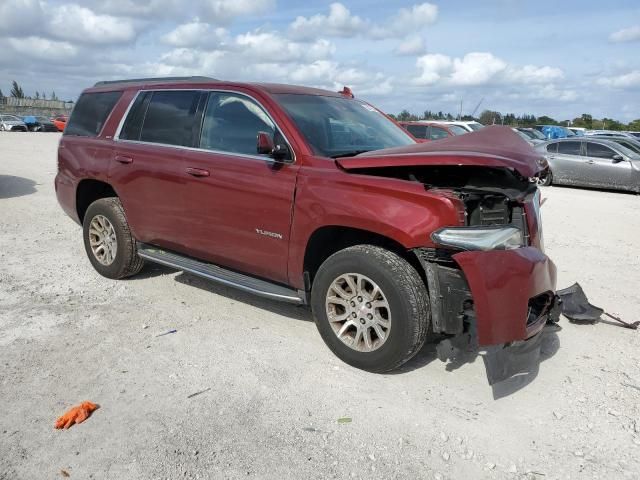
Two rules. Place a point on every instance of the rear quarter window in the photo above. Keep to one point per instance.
(90, 113)
(569, 148)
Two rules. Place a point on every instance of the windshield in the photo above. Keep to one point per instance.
(338, 126)
(43, 119)
(536, 134)
(475, 125)
(10, 118)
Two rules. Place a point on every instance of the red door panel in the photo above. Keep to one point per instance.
(238, 213)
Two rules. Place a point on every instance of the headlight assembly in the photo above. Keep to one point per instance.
(479, 238)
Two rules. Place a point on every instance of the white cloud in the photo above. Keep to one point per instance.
(75, 23)
(627, 80)
(339, 23)
(408, 20)
(532, 74)
(222, 11)
(43, 49)
(434, 68)
(476, 68)
(272, 46)
(20, 17)
(480, 68)
(412, 45)
(195, 33)
(630, 34)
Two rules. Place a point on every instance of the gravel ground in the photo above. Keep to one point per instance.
(274, 393)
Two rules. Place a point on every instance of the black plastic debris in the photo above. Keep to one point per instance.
(576, 307)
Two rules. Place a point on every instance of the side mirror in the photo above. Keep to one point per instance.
(617, 158)
(265, 143)
(266, 146)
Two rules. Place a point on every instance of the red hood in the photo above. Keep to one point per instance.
(494, 146)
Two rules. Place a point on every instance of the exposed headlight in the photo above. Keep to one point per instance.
(479, 238)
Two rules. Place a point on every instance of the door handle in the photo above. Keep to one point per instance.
(124, 159)
(590, 162)
(197, 172)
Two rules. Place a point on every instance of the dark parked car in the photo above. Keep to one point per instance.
(591, 162)
(39, 124)
(427, 130)
(316, 198)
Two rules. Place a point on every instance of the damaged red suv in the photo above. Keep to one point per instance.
(315, 197)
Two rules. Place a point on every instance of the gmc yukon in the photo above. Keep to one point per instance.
(316, 198)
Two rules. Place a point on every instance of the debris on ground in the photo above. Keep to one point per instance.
(344, 420)
(64, 473)
(77, 414)
(576, 307)
(167, 333)
(198, 393)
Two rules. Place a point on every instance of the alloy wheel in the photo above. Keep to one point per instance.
(102, 239)
(358, 312)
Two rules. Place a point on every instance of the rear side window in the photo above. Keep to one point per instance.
(90, 113)
(569, 148)
(133, 124)
(170, 118)
(438, 133)
(418, 131)
(599, 151)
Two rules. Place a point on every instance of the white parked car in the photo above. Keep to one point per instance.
(11, 123)
(468, 126)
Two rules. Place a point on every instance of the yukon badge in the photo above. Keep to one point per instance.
(269, 234)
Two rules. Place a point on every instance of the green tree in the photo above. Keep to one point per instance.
(16, 90)
(490, 117)
(37, 95)
(405, 116)
(634, 126)
(546, 120)
(1, 95)
(53, 96)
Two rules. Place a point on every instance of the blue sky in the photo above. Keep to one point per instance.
(543, 57)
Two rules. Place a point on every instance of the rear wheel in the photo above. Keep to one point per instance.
(111, 248)
(371, 307)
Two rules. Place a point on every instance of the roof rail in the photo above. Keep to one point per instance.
(155, 80)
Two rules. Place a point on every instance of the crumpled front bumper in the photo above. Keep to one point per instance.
(513, 292)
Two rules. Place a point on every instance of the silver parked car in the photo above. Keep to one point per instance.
(11, 123)
(591, 162)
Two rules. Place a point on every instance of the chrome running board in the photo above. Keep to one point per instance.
(221, 275)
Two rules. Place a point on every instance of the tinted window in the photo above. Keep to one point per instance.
(170, 118)
(418, 131)
(90, 113)
(475, 126)
(133, 124)
(552, 147)
(458, 130)
(232, 122)
(569, 148)
(634, 147)
(366, 128)
(437, 133)
(599, 151)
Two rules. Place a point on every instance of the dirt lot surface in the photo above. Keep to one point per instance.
(274, 393)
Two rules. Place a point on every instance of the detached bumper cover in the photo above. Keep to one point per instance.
(503, 283)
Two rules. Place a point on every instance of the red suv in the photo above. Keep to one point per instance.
(314, 197)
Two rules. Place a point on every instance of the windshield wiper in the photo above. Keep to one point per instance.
(350, 154)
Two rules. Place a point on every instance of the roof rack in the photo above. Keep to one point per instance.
(155, 80)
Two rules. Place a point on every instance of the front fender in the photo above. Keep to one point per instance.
(400, 210)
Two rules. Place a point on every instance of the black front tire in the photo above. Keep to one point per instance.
(126, 261)
(546, 180)
(405, 292)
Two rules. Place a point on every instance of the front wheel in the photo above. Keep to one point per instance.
(545, 178)
(108, 241)
(371, 307)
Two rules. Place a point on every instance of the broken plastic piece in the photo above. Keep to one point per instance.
(77, 414)
(576, 306)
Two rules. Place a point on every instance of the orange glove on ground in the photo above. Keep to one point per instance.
(76, 414)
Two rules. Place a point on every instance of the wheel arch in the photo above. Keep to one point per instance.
(88, 191)
(329, 239)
